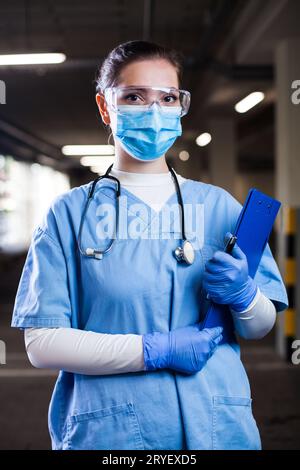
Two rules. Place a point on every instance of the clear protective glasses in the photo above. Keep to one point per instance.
(118, 98)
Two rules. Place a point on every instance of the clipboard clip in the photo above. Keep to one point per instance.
(228, 249)
(230, 244)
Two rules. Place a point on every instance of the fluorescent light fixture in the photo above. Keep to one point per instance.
(80, 150)
(96, 160)
(203, 139)
(32, 59)
(100, 168)
(184, 155)
(249, 101)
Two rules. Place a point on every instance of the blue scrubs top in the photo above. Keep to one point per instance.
(139, 287)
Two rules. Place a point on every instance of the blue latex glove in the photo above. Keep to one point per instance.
(184, 349)
(226, 279)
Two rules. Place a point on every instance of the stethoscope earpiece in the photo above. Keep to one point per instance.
(94, 253)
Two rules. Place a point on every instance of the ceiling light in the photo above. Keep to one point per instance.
(96, 160)
(184, 155)
(249, 102)
(80, 150)
(203, 139)
(98, 169)
(32, 59)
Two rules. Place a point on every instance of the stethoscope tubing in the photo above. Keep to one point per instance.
(100, 253)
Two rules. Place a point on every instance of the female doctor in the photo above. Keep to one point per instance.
(113, 298)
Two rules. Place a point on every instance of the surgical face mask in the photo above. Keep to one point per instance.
(147, 133)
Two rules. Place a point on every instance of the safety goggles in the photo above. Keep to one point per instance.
(143, 97)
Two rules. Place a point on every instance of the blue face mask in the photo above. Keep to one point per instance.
(146, 134)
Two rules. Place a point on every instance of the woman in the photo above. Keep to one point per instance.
(123, 327)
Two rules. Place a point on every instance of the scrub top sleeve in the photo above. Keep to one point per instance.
(270, 282)
(42, 298)
(267, 277)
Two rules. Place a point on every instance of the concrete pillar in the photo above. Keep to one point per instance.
(287, 184)
(222, 157)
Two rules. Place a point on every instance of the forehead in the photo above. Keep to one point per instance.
(151, 72)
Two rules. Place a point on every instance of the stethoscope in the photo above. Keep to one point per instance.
(184, 253)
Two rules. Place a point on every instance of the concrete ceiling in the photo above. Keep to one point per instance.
(219, 40)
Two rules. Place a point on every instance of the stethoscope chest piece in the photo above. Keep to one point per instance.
(185, 252)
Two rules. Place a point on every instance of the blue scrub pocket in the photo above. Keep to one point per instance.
(113, 428)
(234, 426)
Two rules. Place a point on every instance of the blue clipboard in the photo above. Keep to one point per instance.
(252, 232)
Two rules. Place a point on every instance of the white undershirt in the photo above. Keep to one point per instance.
(87, 352)
(152, 188)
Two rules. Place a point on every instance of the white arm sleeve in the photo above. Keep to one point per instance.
(84, 352)
(257, 320)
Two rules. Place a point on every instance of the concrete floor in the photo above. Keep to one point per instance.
(25, 393)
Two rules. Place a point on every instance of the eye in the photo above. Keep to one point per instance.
(132, 98)
(170, 99)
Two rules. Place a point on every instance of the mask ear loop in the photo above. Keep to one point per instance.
(108, 99)
(109, 137)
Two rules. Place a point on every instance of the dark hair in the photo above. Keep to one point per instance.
(129, 52)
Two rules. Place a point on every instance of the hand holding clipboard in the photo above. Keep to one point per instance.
(251, 233)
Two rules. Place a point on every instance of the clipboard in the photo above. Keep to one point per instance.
(252, 232)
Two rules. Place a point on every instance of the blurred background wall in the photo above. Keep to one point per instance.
(231, 49)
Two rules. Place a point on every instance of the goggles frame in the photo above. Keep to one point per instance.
(111, 96)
